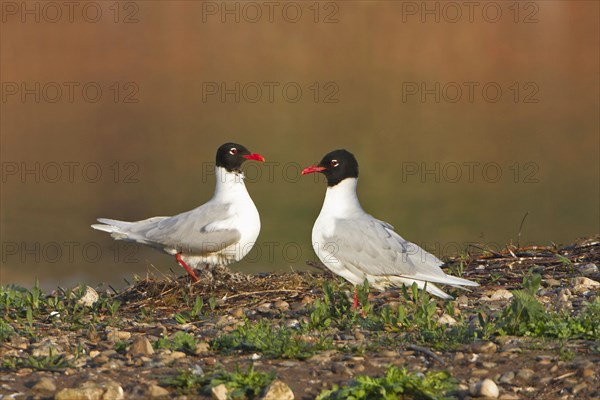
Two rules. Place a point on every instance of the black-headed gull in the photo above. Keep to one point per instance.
(219, 232)
(357, 246)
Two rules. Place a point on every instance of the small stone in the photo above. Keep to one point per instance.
(584, 282)
(47, 348)
(292, 323)
(578, 388)
(89, 297)
(157, 391)
(551, 282)
(501, 294)
(322, 357)
(507, 377)
(141, 347)
(237, 312)
(178, 354)
(340, 368)
(587, 269)
(484, 347)
(388, 354)
(264, 308)
(117, 336)
(588, 371)
(525, 374)
(219, 392)
(462, 300)
(447, 319)
(222, 321)
(91, 390)
(202, 348)
(278, 390)
(210, 361)
(281, 305)
(358, 335)
(485, 388)
(89, 393)
(45, 384)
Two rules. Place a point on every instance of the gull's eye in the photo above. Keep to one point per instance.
(233, 151)
(334, 163)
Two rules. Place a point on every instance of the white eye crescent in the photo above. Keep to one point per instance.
(233, 151)
(334, 163)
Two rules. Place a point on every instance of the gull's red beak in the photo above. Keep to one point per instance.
(314, 168)
(255, 156)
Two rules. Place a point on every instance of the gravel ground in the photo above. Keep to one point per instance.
(97, 344)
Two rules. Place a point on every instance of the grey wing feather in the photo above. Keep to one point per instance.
(372, 246)
(202, 230)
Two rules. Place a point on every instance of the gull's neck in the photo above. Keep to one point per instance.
(341, 200)
(229, 185)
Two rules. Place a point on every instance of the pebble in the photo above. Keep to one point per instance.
(508, 396)
(292, 323)
(157, 391)
(388, 354)
(46, 348)
(358, 335)
(340, 368)
(484, 347)
(587, 269)
(588, 371)
(507, 377)
(90, 390)
(117, 336)
(550, 282)
(525, 374)
(45, 384)
(219, 392)
(202, 348)
(278, 390)
(237, 312)
(447, 319)
(264, 308)
(578, 388)
(485, 388)
(282, 305)
(501, 294)
(89, 297)
(582, 284)
(141, 347)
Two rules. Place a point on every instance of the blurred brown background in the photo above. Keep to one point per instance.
(143, 145)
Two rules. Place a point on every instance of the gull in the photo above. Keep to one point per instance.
(217, 233)
(357, 246)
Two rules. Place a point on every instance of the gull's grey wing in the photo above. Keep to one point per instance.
(203, 230)
(373, 247)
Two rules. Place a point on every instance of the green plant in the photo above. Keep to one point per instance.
(395, 384)
(241, 385)
(180, 341)
(42, 363)
(272, 341)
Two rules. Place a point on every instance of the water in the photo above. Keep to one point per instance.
(444, 157)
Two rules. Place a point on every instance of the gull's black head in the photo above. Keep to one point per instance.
(336, 166)
(231, 156)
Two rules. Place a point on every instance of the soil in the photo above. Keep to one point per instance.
(521, 367)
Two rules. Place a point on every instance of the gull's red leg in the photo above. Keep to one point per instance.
(184, 265)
